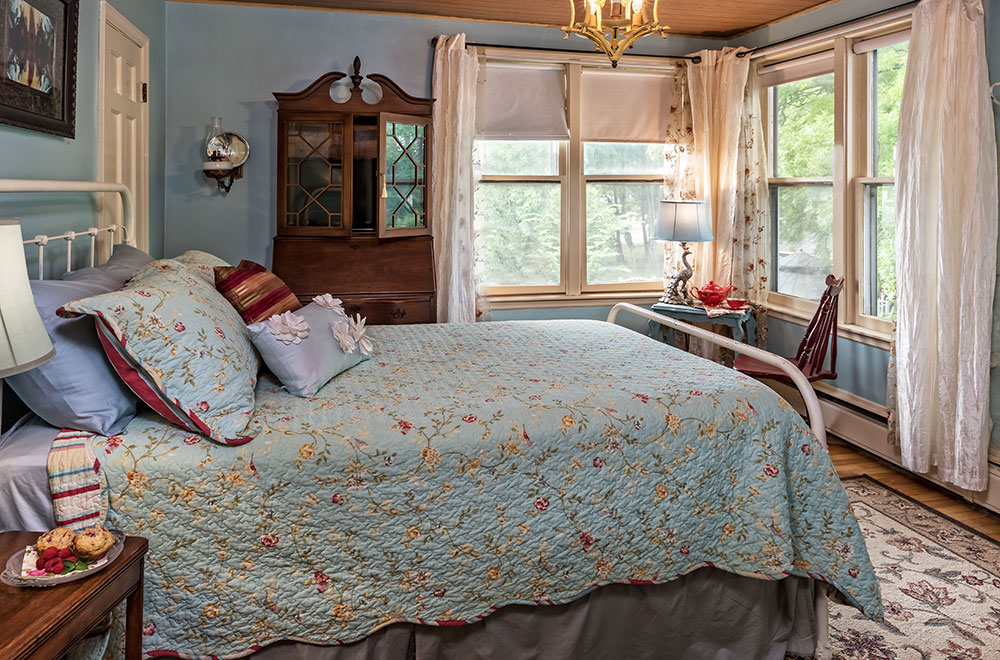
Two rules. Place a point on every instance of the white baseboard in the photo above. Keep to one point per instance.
(872, 435)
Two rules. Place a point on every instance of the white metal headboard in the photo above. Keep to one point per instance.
(42, 186)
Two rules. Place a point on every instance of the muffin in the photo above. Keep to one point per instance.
(60, 538)
(93, 543)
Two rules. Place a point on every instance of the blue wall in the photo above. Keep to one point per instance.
(625, 319)
(862, 368)
(28, 154)
(285, 50)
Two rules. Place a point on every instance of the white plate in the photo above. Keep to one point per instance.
(12, 572)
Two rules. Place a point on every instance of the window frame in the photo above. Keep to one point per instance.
(820, 63)
(853, 173)
(573, 286)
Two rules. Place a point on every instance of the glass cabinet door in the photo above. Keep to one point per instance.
(315, 176)
(406, 142)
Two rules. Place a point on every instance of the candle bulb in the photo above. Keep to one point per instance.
(616, 8)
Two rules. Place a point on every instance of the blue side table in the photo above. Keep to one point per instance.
(742, 322)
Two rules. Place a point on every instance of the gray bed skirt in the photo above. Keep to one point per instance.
(709, 614)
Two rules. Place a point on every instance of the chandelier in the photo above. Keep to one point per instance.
(616, 28)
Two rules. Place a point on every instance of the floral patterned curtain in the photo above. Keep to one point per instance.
(751, 221)
(679, 179)
(752, 216)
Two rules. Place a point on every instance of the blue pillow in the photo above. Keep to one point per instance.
(302, 349)
(117, 270)
(78, 388)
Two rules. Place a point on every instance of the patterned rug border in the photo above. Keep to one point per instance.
(974, 554)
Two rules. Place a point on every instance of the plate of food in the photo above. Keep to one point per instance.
(62, 555)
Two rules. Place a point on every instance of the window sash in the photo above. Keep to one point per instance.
(854, 168)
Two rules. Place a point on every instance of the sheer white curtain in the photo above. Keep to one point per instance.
(946, 244)
(455, 71)
(716, 86)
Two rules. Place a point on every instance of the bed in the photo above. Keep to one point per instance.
(487, 490)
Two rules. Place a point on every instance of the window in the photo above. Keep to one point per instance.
(519, 213)
(802, 185)
(885, 90)
(833, 119)
(571, 215)
(624, 184)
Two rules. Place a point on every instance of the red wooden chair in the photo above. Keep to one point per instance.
(821, 334)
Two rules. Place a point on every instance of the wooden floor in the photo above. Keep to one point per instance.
(851, 462)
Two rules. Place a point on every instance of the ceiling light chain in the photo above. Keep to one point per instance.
(616, 30)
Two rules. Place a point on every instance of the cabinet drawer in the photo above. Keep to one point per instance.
(380, 311)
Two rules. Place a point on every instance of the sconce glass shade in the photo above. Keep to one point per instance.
(24, 344)
(215, 148)
(683, 221)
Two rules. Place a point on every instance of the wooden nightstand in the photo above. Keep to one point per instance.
(742, 322)
(46, 622)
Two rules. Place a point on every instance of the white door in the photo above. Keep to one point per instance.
(124, 121)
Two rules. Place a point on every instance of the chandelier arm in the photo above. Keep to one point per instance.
(572, 15)
(656, 12)
(630, 39)
(599, 39)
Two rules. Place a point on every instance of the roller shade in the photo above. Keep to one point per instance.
(621, 106)
(885, 41)
(522, 102)
(798, 68)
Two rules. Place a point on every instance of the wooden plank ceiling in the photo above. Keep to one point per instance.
(707, 18)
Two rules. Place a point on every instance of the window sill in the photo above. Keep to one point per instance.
(847, 331)
(542, 300)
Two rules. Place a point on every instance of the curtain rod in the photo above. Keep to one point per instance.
(696, 59)
(471, 44)
(842, 24)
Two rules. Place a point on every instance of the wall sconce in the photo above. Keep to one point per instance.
(227, 152)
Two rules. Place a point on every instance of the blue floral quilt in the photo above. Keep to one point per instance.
(468, 467)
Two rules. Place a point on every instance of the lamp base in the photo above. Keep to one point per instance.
(677, 291)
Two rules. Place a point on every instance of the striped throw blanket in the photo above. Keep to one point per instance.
(76, 483)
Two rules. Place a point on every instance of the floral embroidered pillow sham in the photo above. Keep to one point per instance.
(305, 349)
(202, 263)
(181, 347)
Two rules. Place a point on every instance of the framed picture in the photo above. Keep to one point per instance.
(38, 65)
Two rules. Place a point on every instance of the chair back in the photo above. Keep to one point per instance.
(821, 334)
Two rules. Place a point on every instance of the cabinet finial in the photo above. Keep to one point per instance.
(357, 77)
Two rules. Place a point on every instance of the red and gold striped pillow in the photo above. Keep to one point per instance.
(255, 292)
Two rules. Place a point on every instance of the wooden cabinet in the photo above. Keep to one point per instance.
(354, 215)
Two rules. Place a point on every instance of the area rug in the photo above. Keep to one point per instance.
(940, 584)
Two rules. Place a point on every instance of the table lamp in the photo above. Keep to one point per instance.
(24, 343)
(684, 222)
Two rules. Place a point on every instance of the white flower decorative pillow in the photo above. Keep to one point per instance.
(308, 347)
(181, 347)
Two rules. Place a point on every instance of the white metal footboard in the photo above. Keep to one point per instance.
(812, 408)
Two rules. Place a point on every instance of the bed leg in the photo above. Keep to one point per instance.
(822, 624)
